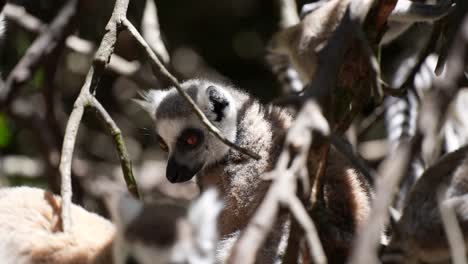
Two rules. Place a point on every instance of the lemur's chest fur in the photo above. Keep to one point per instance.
(346, 200)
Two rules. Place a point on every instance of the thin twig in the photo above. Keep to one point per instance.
(44, 45)
(299, 212)
(158, 67)
(391, 171)
(346, 149)
(370, 121)
(116, 134)
(119, 65)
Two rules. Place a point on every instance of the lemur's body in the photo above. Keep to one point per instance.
(419, 236)
(260, 129)
(30, 231)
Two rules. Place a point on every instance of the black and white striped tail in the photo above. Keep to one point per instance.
(400, 119)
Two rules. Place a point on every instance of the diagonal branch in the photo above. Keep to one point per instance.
(130, 69)
(158, 67)
(283, 190)
(44, 45)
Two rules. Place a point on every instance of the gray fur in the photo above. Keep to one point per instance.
(174, 106)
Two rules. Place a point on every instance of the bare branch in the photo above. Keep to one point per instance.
(151, 32)
(299, 212)
(66, 158)
(44, 45)
(85, 98)
(371, 120)
(20, 16)
(116, 134)
(391, 171)
(283, 189)
(433, 110)
(119, 65)
(158, 67)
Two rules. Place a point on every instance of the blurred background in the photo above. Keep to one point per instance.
(221, 40)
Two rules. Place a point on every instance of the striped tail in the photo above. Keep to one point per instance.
(400, 120)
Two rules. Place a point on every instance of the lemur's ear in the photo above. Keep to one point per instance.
(127, 210)
(218, 102)
(203, 215)
(151, 100)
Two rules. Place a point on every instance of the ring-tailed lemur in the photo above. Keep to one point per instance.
(419, 236)
(193, 150)
(293, 51)
(162, 232)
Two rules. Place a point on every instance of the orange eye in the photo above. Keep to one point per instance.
(192, 140)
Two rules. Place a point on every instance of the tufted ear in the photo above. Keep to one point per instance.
(218, 101)
(151, 100)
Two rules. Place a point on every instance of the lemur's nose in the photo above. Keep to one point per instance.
(176, 172)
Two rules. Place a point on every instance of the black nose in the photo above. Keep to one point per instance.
(176, 172)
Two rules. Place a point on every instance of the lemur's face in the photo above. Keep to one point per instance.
(189, 144)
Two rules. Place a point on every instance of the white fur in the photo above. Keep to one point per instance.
(29, 232)
(203, 215)
(169, 129)
(151, 99)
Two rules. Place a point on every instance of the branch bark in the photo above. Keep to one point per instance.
(283, 190)
(86, 98)
(158, 68)
(434, 108)
(129, 69)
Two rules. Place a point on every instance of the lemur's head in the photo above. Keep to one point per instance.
(166, 232)
(180, 133)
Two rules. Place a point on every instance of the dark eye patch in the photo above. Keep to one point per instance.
(190, 139)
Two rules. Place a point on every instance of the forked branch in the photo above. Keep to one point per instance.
(85, 98)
